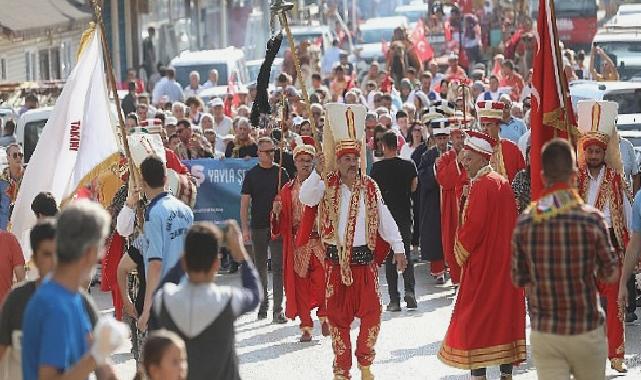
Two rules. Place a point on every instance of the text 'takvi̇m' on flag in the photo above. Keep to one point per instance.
(78, 144)
(551, 114)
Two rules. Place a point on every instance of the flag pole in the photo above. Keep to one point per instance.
(114, 88)
(561, 74)
(281, 8)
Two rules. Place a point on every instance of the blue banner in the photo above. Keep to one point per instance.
(219, 183)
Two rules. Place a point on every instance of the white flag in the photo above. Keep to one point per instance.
(77, 141)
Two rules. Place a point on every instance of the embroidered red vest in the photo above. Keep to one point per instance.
(612, 191)
(330, 207)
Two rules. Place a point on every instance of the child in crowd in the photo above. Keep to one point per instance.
(164, 357)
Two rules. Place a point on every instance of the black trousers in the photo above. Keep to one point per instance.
(632, 295)
(390, 268)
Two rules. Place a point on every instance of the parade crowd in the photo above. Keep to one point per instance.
(429, 163)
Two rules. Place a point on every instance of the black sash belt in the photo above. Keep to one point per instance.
(361, 255)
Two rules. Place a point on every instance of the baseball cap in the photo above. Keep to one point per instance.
(216, 102)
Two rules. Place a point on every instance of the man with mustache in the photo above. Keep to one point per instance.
(303, 266)
(357, 229)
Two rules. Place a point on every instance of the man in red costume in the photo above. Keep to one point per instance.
(303, 267)
(451, 176)
(488, 322)
(507, 159)
(356, 228)
(602, 187)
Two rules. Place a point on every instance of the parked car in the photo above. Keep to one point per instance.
(621, 40)
(413, 11)
(229, 62)
(629, 9)
(29, 128)
(253, 68)
(372, 34)
(626, 94)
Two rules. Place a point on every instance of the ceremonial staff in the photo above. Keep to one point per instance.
(112, 82)
(282, 139)
(280, 8)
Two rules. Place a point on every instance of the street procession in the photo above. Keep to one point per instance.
(320, 189)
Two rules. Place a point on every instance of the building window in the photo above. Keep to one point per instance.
(65, 59)
(43, 59)
(30, 65)
(3, 69)
(55, 63)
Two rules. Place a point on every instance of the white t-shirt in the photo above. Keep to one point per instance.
(222, 129)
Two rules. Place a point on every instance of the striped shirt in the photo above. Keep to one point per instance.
(559, 260)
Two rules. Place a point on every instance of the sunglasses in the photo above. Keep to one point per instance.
(15, 155)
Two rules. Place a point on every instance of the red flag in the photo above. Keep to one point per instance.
(552, 114)
(421, 44)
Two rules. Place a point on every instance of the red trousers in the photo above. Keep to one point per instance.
(310, 293)
(614, 321)
(344, 303)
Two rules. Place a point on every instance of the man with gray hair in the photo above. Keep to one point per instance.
(56, 324)
(194, 87)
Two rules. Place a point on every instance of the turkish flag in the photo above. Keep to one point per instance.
(421, 44)
(551, 114)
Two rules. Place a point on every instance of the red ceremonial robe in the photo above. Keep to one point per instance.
(283, 226)
(488, 322)
(109, 283)
(513, 160)
(451, 176)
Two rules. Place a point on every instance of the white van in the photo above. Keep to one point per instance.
(29, 128)
(229, 62)
(373, 32)
(626, 94)
(621, 40)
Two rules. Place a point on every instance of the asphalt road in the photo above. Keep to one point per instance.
(406, 349)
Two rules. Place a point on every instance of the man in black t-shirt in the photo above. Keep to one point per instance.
(260, 188)
(397, 179)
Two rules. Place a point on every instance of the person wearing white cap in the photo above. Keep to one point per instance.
(487, 326)
(303, 266)
(222, 124)
(430, 201)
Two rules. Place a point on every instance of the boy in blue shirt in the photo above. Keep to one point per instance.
(167, 221)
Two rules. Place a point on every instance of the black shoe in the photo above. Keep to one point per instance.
(440, 280)
(410, 300)
(630, 317)
(279, 318)
(394, 306)
(269, 265)
(262, 315)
